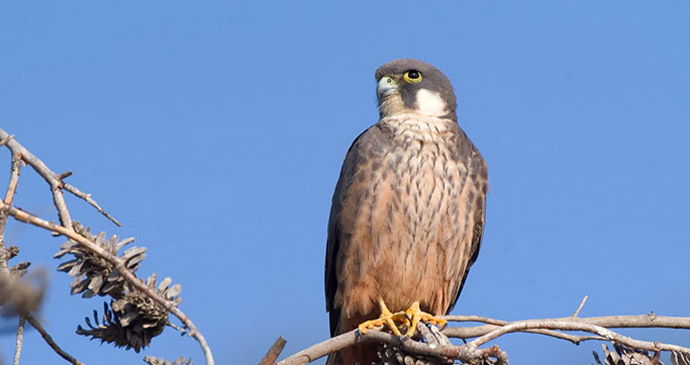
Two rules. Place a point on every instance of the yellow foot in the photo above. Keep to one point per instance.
(415, 315)
(387, 318)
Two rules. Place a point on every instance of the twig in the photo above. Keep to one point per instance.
(53, 179)
(636, 321)
(9, 196)
(48, 175)
(87, 197)
(273, 352)
(64, 175)
(15, 170)
(49, 340)
(20, 340)
(477, 331)
(492, 324)
(573, 325)
(579, 308)
(473, 332)
(119, 265)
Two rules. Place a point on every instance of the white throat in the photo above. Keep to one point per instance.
(431, 103)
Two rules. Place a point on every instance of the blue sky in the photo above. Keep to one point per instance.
(214, 131)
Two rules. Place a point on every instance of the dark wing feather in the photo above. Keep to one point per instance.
(366, 145)
(479, 183)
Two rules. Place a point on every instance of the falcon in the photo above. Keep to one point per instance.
(408, 212)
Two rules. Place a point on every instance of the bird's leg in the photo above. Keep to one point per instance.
(415, 315)
(386, 318)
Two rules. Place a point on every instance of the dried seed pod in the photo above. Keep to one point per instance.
(133, 320)
(94, 275)
(627, 356)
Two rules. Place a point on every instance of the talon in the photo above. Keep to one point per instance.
(388, 318)
(416, 315)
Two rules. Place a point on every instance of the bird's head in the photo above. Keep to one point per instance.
(412, 86)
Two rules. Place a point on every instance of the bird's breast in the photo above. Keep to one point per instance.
(414, 209)
(423, 173)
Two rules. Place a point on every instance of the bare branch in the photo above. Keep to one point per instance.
(477, 331)
(496, 328)
(20, 340)
(53, 179)
(6, 254)
(15, 170)
(87, 197)
(49, 340)
(463, 353)
(575, 325)
(636, 321)
(9, 195)
(579, 308)
(273, 352)
(48, 175)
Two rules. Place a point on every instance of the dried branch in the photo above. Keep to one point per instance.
(53, 179)
(87, 197)
(9, 196)
(579, 308)
(12, 288)
(15, 170)
(20, 340)
(636, 321)
(49, 340)
(66, 229)
(599, 326)
(273, 352)
(574, 325)
(463, 353)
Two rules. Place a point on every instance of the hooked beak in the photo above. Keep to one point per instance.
(387, 85)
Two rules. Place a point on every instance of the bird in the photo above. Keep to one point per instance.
(407, 214)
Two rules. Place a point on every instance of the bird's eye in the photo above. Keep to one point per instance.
(412, 76)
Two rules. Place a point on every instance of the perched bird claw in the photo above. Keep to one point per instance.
(387, 318)
(416, 315)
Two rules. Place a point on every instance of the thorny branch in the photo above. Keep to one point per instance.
(19, 153)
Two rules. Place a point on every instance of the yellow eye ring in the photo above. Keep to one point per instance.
(412, 76)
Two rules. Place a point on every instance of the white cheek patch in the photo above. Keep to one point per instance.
(430, 103)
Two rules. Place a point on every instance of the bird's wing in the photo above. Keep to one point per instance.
(478, 184)
(366, 146)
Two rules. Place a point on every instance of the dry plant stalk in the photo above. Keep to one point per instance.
(138, 310)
